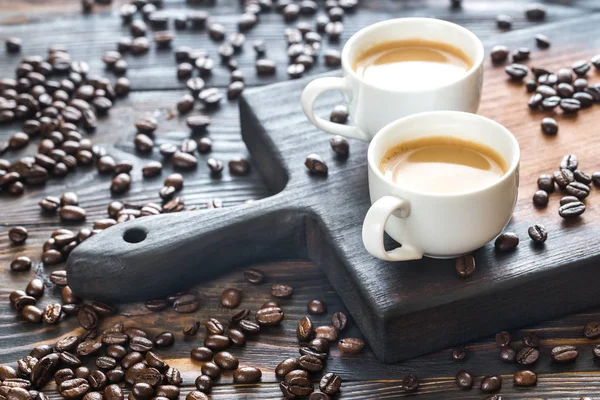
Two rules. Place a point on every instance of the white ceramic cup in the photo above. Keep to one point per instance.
(372, 107)
(432, 224)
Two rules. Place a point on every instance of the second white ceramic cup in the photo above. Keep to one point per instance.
(372, 107)
(433, 224)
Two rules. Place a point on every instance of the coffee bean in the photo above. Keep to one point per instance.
(316, 307)
(17, 234)
(286, 366)
(521, 54)
(568, 199)
(464, 380)
(196, 395)
(517, 71)
(570, 106)
(578, 189)
(42, 371)
(319, 345)
(499, 54)
(20, 264)
(351, 345)
(239, 166)
(217, 342)
(549, 126)
(140, 344)
(535, 12)
(148, 375)
(215, 166)
(504, 21)
(571, 210)
(186, 303)
(592, 330)
(191, 329)
(240, 315)
(143, 143)
(23, 301)
(546, 91)
(249, 326)
(305, 329)
(72, 213)
(265, 67)
(581, 67)
(465, 265)
(73, 388)
(106, 363)
(565, 90)
(459, 353)
(339, 320)
(550, 103)
(527, 355)
(491, 383)
(49, 203)
(164, 339)
(304, 351)
(201, 353)
(540, 198)
(542, 41)
(254, 276)
(120, 183)
(231, 298)
(116, 351)
(211, 369)
(538, 233)
(525, 378)
(330, 383)
(564, 354)
(52, 313)
(530, 85)
(226, 360)
(156, 305)
(247, 375)
(281, 290)
(68, 343)
(30, 312)
(237, 337)
(564, 176)
(506, 242)
(316, 165)
(310, 363)
(214, 327)
(507, 354)
(535, 101)
(184, 160)
(269, 316)
(410, 384)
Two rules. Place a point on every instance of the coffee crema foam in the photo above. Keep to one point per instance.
(443, 165)
(414, 64)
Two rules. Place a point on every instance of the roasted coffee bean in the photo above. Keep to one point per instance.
(315, 164)
(527, 355)
(319, 345)
(140, 344)
(564, 177)
(226, 360)
(52, 313)
(265, 67)
(465, 266)
(307, 351)
(581, 67)
(120, 183)
(17, 234)
(464, 380)
(113, 392)
(310, 363)
(549, 126)
(149, 375)
(69, 360)
(31, 313)
(186, 303)
(249, 326)
(546, 91)
(585, 99)
(71, 309)
(239, 166)
(316, 307)
(214, 327)
(596, 178)
(38, 352)
(459, 353)
(596, 351)
(115, 338)
(540, 198)
(87, 317)
(281, 290)
(201, 353)
(542, 41)
(538, 233)
(73, 388)
(330, 383)
(43, 371)
(286, 366)
(191, 329)
(499, 54)
(217, 342)
(239, 316)
(116, 351)
(517, 71)
(351, 345)
(184, 160)
(97, 379)
(269, 316)
(305, 329)
(246, 375)
(340, 146)
(530, 85)
(7, 372)
(592, 330)
(504, 21)
(410, 384)
(506, 242)
(49, 203)
(570, 106)
(491, 383)
(211, 369)
(196, 395)
(20, 264)
(525, 378)
(143, 143)
(507, 354)
(88, 347)
(531, 339)
(550, 103)
(535, 101)
(521, 54)
(568, 199)
(564, 354)
(578, 189)
(68, 343)
(231, 298)
(23, 301)
(164, 339)
(535, 12)
(204, 383)
(254, 276)
(565, 90)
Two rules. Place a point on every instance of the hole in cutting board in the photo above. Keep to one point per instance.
(134, 235)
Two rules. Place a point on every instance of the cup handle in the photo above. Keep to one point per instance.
(374, 226)
(310, 94)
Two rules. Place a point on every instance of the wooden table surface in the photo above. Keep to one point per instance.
(155, 91)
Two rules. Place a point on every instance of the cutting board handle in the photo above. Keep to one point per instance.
(154, 256)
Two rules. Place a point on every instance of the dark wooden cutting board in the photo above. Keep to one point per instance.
(403, 309)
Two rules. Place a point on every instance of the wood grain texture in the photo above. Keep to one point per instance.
(366, 378)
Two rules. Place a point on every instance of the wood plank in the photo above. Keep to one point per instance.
(89, 37)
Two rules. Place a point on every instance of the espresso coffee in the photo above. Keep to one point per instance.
(441, 164)
(412, 64)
